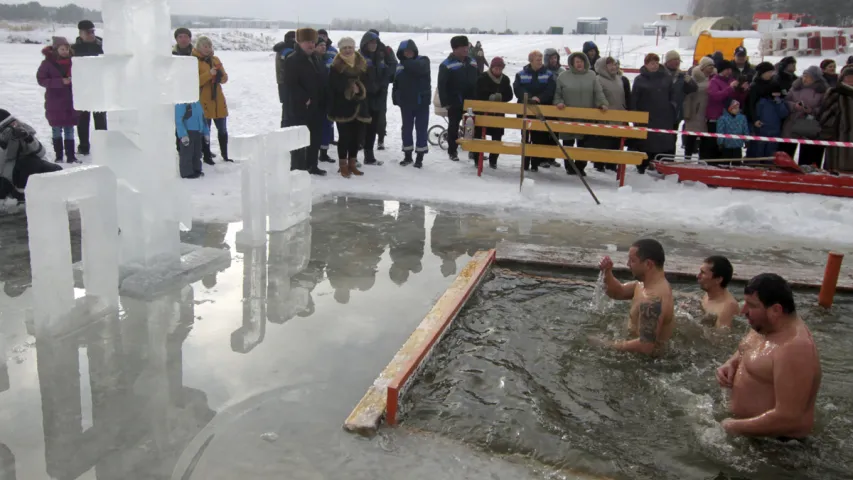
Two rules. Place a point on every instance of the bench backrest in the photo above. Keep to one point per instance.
(593, 116)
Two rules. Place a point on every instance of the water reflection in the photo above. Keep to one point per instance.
(141, 411)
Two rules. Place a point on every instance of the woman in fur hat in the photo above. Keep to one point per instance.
(54, 74)
(211, 77)
(348, 103)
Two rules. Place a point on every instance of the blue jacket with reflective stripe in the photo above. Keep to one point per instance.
(457, 81)
(540, 83)
(413, 80)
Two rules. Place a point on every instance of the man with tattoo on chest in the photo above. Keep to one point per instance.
(718, 304)
(775, 374)
(651, 319)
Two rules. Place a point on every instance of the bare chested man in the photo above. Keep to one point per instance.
(651, 318)
(719, 304)
(775, 374)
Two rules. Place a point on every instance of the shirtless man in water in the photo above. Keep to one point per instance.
(651, 318)
(719, 304)
(775, 373)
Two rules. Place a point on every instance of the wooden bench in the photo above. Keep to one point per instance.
(554, 117)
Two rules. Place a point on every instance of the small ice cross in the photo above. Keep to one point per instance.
(268, 184)
(139, 82)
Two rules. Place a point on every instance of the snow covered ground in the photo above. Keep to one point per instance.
(253, 105)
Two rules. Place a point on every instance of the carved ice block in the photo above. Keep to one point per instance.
(93, 189)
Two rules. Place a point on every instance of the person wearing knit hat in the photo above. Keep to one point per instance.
(283, 50)
(763, 68)
(805, 100)
(346, 42)
(457, 82)
(682, 85)
(412, 92)
(184, 39)
(21, 155)
(695, 108)
(786, 75)
(306, 99)
(325, 58)
(828, 68)
(492, 86)
(54, 74)
(324, 35)
(765, 111)
(732, 122)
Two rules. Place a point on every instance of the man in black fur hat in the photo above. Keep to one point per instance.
(304, 77)
(457, 82)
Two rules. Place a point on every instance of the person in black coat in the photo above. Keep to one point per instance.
(380, 73)
(391, 61)
(304, 80)
(457, 82)
(537, 80)
(786, 74)
(653, 93)
(282, 51)
(347, 105)
(88, 45)
(412, 93)
(493, 86)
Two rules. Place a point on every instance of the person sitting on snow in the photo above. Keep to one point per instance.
(21, 155)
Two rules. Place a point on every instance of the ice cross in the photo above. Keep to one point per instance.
(138, 82)
(268, 184)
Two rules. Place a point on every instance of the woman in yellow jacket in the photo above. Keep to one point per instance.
(211, 77)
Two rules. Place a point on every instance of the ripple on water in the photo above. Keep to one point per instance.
(516, 375)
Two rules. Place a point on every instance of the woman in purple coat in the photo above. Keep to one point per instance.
(54, 75)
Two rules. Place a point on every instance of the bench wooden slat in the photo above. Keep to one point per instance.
(516, 124)
(582, 114)
(552, 151)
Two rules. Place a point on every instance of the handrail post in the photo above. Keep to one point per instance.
(523, 141)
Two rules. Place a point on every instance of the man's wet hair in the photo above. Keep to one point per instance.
(772, 289)
(721, 267)
(649, 249)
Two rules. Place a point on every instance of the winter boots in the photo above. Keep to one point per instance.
(324, 156)
(70, 148)
(407, 159)
(58, 150)
(206, 155)
(343, 167)
(223, 147)
(354, 169)
(419, 160)
(370, 159)
(493, 160)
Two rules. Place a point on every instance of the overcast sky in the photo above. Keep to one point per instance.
(484, 14)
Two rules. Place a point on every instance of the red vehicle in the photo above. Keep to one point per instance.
(787, 20)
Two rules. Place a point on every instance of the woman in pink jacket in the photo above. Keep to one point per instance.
(721, 88)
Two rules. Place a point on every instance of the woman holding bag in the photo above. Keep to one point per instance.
(804, 103)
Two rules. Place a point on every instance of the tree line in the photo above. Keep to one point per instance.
(34, 11)
(824, 12)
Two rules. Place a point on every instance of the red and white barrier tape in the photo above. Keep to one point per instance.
(823, 143)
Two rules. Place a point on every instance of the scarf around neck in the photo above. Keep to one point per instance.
(349, 60)
(494, 79)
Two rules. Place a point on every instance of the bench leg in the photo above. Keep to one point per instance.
(621, 175)
(480, 165)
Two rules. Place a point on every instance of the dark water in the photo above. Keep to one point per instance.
(517, 375)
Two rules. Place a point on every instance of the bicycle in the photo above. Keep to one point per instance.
(437, 135)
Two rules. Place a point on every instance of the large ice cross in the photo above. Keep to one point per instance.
(139, 82)
(268, 184)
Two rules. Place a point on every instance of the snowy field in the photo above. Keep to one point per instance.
(254, 108)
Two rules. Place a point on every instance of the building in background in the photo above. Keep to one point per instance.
(555, 31)
(677, 24)
(592, 26)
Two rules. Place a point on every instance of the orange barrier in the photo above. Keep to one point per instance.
(830, 279)
(384, 396)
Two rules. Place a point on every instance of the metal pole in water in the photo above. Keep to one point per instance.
(830, 279)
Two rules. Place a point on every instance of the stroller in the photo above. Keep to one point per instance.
(437, 134)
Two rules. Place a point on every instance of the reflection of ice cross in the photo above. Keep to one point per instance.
(268, 184)
(138, 81)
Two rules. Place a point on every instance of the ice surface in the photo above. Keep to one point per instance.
(625, 190)
(268, 184)
(138, 81)
(93, 189)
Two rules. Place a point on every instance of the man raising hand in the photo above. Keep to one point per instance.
(652, 307)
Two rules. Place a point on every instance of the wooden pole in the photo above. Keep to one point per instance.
(830, 280)
(523, 141)
(556, 140)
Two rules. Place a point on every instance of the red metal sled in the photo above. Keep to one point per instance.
(782, 176)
